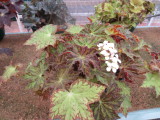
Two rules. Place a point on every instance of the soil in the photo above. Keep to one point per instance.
(19, 103)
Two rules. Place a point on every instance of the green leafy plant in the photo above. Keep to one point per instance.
(124, 12)
(76, 57)
(8, 10)
(84, 67)
(39, 13)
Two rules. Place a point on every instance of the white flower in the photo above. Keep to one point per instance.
(105, 53)
(105, 42)
(111, 57)
(105, 47)
(112, 50)
(107, 58)
(108, 69)
(119, 61)
(114, 70)
(100, 45)
(99, 48)
(116, 55)
(111, 45)
(114, 59)
(112, 66)
(108, 63)
(115, 65)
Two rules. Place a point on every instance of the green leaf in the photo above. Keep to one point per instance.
(136, 9)
(126, 104)
(141, 45)
(74, 104)
(106, 107)
(125, 93)
(102, 76)
(136, 6)
(88, 40)
(125, 90)
(74, 29)
(42, 57)
(43, 37)
(9, 72)
(137, 2)
(94, 29)
(152, 81)
(36, 75)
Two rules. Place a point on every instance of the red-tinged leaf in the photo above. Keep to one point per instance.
(113, 31)
(117, 38)
(127, 77)
(90, 20)
(83, 58)
(106, 107)
(155, 65)
(60, 78)
(155, 55)
(136, 38)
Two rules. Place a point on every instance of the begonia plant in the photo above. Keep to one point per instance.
(86, 70)
(124, 12)
(8, 10)
(38, 13)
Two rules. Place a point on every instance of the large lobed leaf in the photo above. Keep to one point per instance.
(152, 81)
(61, 78)
(43, 37)
(74, 29)
(106, 107)
(83, 58)
(74, 104)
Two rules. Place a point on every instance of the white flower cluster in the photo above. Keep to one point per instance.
(110, 54)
